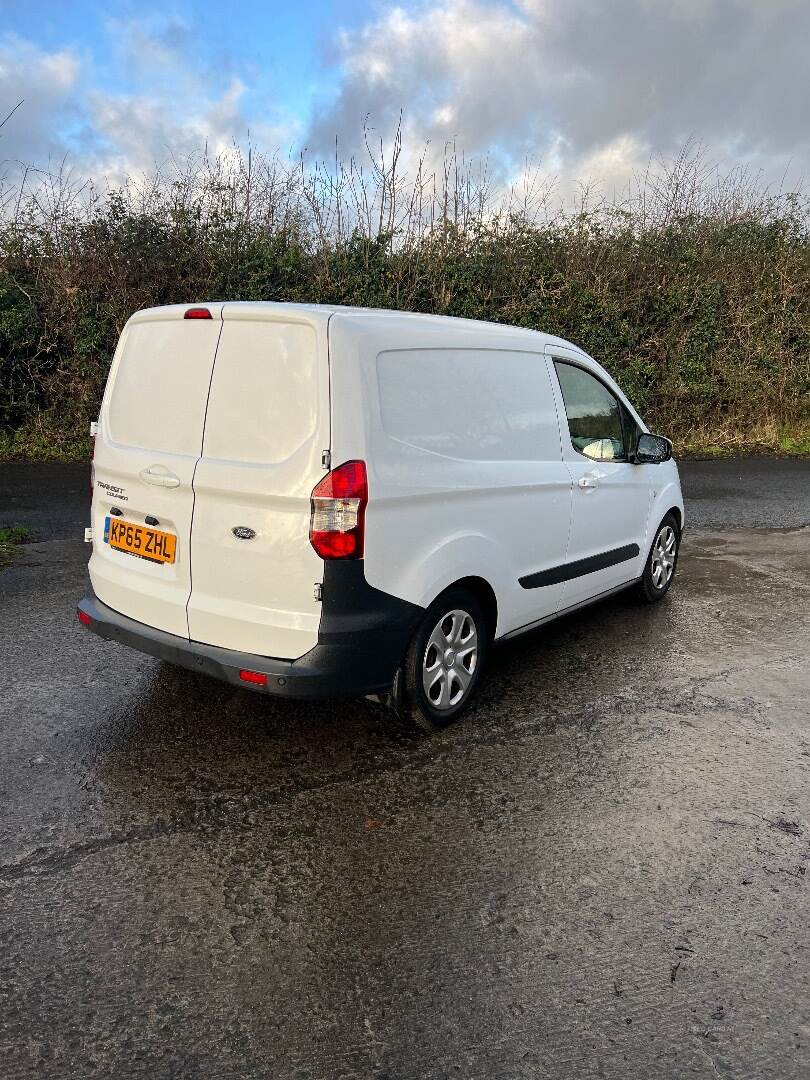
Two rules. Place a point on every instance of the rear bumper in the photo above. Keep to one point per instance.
(358, 651)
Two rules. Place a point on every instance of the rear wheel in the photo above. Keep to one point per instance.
(443, 662)
(659, 572)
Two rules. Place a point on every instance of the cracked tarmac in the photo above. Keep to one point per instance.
(604, 871)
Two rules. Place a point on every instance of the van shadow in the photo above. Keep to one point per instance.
(577, 659)
(181, 734)
(178, 734)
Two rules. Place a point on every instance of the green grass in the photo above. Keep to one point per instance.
(31, 443)
(34, 444)
(11, 536)
(794, 443)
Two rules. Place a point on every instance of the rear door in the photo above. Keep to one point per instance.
(149, 440)
(267, 428)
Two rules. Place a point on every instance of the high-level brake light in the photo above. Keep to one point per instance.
(338, 520)
(197, 313)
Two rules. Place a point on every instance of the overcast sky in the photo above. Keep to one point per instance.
(587, 89)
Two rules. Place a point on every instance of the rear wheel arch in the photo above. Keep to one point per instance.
(484, 594)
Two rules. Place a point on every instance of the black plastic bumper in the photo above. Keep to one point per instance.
(362, 638)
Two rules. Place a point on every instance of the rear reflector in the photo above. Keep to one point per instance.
(338, 519)
(197, 313)
(257, 678)
(84, 618)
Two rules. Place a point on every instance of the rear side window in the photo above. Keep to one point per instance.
(594, 414)
(264, 396)
(157, 400)
(478, 405)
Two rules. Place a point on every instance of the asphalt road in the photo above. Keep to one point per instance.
(604, 871)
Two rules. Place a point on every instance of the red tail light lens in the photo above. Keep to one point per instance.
(257, 678)
(338, 521)
(197, 313)
(84, 618)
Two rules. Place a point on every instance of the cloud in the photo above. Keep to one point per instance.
(589, 89)
(46, 84)
(173, 106)
(581, 84)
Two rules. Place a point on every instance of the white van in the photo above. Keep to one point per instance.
(330, 502)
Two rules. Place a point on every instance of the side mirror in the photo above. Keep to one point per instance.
(652, 449)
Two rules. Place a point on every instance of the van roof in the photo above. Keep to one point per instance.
(321, 313)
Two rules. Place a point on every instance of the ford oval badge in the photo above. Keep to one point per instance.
(242, 532)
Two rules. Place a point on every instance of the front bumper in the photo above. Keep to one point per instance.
(362, 640)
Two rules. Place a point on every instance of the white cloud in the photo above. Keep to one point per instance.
(138, 132)
(590, 89)
(174, 108)
(585, 86)
(45, 83)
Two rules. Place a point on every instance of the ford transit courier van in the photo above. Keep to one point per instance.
(329, 502)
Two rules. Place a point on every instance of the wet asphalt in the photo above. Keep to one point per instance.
(603, 871)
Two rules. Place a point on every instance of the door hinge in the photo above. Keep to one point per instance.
(326, 459)
(316, 592)
(88, 536)
(93, 428)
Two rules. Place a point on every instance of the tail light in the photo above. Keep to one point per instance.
(197, 313)
(337, 524)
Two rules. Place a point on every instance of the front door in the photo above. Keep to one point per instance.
(611, 495)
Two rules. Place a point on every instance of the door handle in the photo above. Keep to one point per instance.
(588, 482)
(159, 476)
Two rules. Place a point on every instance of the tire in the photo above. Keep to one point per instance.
(659, 571)
(439, 679)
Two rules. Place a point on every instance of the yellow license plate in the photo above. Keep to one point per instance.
(146, 543)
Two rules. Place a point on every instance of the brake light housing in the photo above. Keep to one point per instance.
(338, 512)
(197, 313)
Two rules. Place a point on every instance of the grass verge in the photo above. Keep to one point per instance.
(769, 438)
(11, 536)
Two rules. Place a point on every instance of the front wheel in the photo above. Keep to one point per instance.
(444, 660)
(659, 571)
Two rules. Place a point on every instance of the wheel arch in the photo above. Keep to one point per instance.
(676, 513)
(659, 520)
(484, 594)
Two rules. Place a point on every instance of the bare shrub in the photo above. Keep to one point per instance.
(693, 287)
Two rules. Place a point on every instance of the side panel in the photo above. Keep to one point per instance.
(266, 428)
(436, 414)
(150, 432)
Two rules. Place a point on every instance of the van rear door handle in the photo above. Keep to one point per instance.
(588, 482)
(159, 476)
